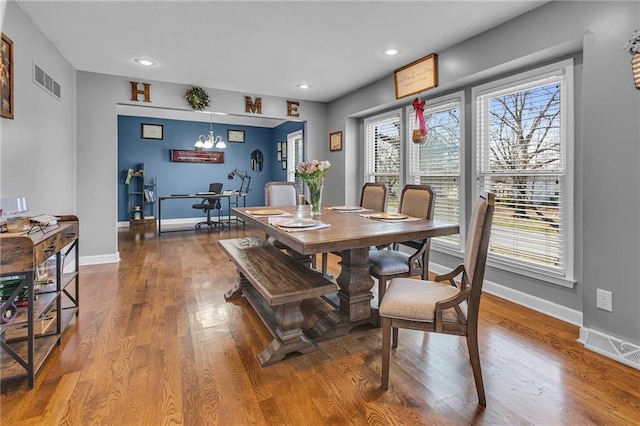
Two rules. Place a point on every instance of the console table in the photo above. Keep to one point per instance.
(27, 340)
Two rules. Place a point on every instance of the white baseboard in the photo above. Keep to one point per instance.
(100, 259)
(537, 304)
(611, 347)
(179, 222)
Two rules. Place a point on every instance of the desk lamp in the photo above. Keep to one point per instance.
(243, 176)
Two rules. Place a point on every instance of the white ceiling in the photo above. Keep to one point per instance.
(262, 48)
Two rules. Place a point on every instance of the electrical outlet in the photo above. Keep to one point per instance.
(604, 300)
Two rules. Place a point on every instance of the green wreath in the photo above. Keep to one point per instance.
(197, 98)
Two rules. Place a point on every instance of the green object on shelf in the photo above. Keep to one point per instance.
(128, 178)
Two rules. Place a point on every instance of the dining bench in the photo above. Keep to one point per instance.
(275, 285)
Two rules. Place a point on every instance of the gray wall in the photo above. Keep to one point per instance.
(38, 147)
(607, 144)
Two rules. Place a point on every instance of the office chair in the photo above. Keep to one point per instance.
(443, 305)
(208, 204)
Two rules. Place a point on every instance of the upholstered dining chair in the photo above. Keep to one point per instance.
(374, 196)
(280, 194)
(208, 204)
(443, 305)
(415, 201)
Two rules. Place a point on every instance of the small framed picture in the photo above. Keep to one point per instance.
(284, 164)
(279, 155)
(335, 141)
(284, 149)
(152, 131)
(6, 77)
(279, 146)
(235, 136)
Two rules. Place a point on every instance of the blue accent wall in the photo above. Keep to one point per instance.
(188, 178)
(280, 135)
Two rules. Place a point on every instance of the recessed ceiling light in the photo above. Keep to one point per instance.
(390, 52)
(145, 62)
(303, 86)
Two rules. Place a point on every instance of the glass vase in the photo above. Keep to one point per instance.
(315, 199)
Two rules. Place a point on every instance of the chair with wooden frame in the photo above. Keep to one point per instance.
(373, 197)
(280, 194)
(415, 201)
(443, 305)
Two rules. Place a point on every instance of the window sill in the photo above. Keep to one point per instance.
(520, 270)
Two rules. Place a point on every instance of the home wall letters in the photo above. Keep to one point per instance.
(146, 91)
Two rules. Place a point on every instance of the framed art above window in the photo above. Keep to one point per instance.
(416, 77)
(152, 131)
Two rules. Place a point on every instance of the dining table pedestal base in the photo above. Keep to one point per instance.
(352, 303)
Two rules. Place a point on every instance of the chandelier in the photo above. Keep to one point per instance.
(209, 141)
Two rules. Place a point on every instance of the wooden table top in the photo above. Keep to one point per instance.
(347, 231)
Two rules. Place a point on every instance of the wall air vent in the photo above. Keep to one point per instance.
(45, 81)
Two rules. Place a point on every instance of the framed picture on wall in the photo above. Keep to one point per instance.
(279, 147)
(416, 77)
(284, 164)
(152, 131)
(284, 149)
(235, 136)
(279, 155)
(6, 77)
(335, 141)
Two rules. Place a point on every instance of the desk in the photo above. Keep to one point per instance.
(352, 235)
(236, 203)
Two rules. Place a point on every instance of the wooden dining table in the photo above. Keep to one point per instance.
(353, 235)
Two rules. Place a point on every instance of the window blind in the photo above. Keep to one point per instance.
(383, 156)
(521, 145)
(295, 154)
(437, 161)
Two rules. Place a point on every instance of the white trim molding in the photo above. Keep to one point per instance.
(100, 259)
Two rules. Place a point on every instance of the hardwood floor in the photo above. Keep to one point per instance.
(155, 343)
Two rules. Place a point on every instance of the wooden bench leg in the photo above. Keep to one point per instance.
(235, 292)
(288, 335)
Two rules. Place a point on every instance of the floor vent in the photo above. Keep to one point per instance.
(611, 347)
(43, 80)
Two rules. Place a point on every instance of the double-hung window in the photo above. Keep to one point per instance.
(523, 152)
(295, 146)
(438, 161)
(383, 154)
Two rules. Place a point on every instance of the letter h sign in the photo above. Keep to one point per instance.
(135, 91)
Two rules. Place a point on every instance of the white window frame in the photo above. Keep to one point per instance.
(566, 276)
(292, 162)
(435, 105)
(368, 151)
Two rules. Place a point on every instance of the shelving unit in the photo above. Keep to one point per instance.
(28, 339)
(142, 193)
